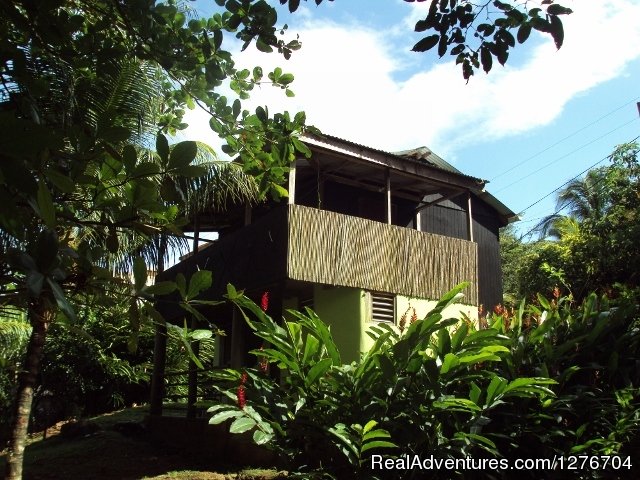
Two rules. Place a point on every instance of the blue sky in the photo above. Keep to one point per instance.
(527, 127)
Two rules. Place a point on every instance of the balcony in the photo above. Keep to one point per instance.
(301, 243)
(335, 249)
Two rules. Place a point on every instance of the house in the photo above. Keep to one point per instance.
(365, 236)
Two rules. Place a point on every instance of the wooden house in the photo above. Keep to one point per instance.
(365, 236)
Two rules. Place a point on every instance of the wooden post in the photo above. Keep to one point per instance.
(469, 217)
(388, 192)
(418, 221)
(159, 346)
(320, 189)
(292, 184)
(192, 378)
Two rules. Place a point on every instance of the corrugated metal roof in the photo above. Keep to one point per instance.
(424, 155)
(418, 155)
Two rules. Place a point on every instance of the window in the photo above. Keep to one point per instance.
(383, 307)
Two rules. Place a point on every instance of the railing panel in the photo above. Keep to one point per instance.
(335, 249)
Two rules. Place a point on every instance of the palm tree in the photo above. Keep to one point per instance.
(100, 115)
(584, 199)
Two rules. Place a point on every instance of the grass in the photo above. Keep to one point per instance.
(110, 455)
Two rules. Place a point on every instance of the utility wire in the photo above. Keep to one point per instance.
(546, 165)
(564, 184)
(563, 139)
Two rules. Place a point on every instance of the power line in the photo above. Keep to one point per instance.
(565, 156)
(564, 184)
(565, 138)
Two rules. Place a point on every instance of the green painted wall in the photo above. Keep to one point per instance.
(344, 310)
(347, 311)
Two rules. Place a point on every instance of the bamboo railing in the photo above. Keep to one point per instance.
(335, 249)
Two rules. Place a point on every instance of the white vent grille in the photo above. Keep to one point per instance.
(383, 307)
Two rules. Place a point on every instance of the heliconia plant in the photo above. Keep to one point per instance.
(443, 387)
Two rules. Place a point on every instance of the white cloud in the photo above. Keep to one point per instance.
(346, 81)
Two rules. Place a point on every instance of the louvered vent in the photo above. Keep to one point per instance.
(383, 307)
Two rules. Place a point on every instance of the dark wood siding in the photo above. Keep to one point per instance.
(357, 202)
(449, 218)
(250, 258)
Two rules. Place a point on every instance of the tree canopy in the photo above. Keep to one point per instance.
(85, 160)
(590, 243)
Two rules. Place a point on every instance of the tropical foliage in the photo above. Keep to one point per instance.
(590, 244)
(536, 382)
(87, 175)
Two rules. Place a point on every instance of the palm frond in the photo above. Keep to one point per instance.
(14, 335)
(123, 94)
(223, 184)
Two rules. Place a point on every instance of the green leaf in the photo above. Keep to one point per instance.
(200, 281)
(145, 169)
(192, 171)
(285, 78)
(427, 43)
(557, 30)
(301, 147)
(162, 147)
(377, 444)
(479, 438)
(523, 32)
(479, 357)
(139, 273)
(555, 9)
(318, 370)
(61, 181)
(182, 154)
(530, 386)
(45, 205)
(458, 337)
(311, 347)
(161, 288)
(34, 283)
(486, 58)
(495, 388)
(369, 425)
(224, 415)
(261, 438)
(196, 314)
(242, 424)
(201, 334)
(61, 300)
(543, 301)
(450, 361)
(474, 393)
(457, 404)
(279, 191)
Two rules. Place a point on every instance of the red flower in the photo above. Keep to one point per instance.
(242, 399)
(403, 321)
(414, 316)
(264, 301)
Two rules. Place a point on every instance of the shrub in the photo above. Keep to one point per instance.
(535, 382)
